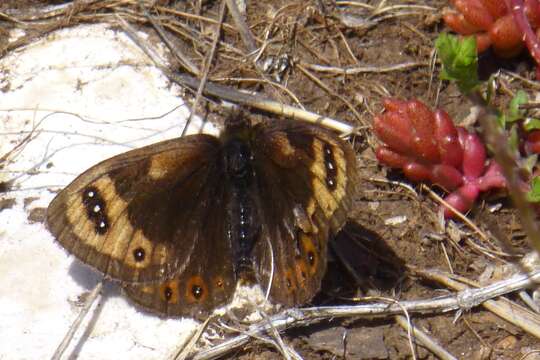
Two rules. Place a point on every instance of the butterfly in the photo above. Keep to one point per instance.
(180, 222)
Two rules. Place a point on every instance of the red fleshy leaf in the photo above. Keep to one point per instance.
(456, 21)
(417, 172)
(394, 131)
(474, 154)
(483, 42)
(492, 178)
(461, 199)
(532, 144)
(390, 158)
(427, 146)
(496, 8)
(394, 105)
(446, 176)
(447, 139)
(475, 13)
(506, 37)
(532, 12)
(423, 128)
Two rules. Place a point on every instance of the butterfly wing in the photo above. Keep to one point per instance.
(137, 217)
(306, 177)
(208, 280)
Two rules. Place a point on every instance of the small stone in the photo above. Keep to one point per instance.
(37, 215)
(364, 343)
(508, 342)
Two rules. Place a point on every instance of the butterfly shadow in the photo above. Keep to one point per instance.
(363, 264)
(88, 279)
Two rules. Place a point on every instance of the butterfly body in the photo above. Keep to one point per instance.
(178, 223)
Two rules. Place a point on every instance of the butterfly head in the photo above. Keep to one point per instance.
(237, 127)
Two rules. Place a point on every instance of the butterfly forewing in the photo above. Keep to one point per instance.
(130, 216)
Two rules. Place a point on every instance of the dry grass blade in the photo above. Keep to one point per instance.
(245, 34)
(354, 70)
(207, 66)
(186, 349)
(175, 50)
(90, 300)
(511, 312)
(425, 339)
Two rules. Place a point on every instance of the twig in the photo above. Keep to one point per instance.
(365, 69)
(207, 65)
(185, 350)
(230, 94)
(280, 345)
(176, 51)
(301, 317)
(424, 339)
(264, 81)
(77, 323)
(243, 29)
(511, 312)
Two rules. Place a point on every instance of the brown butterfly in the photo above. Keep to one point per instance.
(180, 222)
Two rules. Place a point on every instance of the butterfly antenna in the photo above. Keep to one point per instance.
(272, 269)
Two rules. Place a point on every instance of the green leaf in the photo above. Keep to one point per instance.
(490, 91)
(501, 120)
(514, 113)
(530, 163)
(513, 139)
(531, 124)
(534, 194)
(459, 59)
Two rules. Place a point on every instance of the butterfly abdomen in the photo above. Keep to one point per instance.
(242, 216)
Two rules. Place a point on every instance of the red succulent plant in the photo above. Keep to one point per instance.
(427, 146)
(506, 25)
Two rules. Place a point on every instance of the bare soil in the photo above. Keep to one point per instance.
(381, 254)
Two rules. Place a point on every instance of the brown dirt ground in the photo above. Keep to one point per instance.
(315, 32)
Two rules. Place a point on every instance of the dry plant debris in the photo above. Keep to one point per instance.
(334, 62)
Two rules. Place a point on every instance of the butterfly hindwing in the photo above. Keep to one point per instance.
(208, 279)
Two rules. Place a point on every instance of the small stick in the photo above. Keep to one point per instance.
(245, 33)
(185, 350)
(504, 308)
(425, 339)
(465, 299)
(231, 94)
(177, 52)
(353, 70)
(77, 323)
